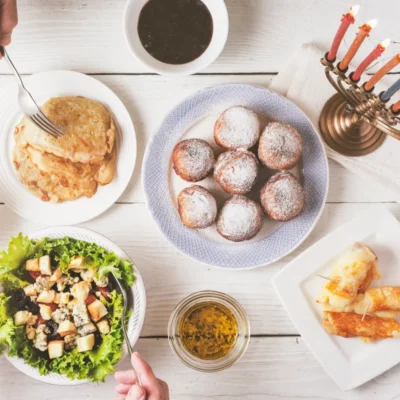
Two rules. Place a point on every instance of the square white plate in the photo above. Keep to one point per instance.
(349, 362)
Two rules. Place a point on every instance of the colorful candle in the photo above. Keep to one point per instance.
(362, 34)
(346, 21)
(386, 96)
(382, 72)
(376, 53)
(396, 107)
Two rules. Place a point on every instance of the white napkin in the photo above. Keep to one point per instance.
(304, 83)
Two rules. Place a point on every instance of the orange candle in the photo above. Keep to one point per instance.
(346, 20)
(376, 53)
(396, 107)
(362, 34)
(382, 72)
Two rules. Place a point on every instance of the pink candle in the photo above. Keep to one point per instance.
(346, 20)
(376, 53)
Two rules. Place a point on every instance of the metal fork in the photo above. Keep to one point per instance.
(120, 288)
(29, 106)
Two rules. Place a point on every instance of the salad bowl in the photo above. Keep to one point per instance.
(134, 323)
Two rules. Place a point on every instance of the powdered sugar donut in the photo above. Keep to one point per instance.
(280, 146)
(282, 197)
(240, 219)
(197, 207)
(236, 171)
(237, 128)
(193, 159)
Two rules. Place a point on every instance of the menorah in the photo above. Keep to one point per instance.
(355, 121)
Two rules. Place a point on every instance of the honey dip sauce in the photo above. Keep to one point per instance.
(208, 330)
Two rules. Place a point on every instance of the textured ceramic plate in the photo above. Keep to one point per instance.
(195, 117)
(136, 321)
(350, 362)
(52, 84)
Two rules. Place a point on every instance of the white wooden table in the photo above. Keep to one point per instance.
(86, 35)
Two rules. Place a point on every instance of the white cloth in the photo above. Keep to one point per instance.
(304, 83)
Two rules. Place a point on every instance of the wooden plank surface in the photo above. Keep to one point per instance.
(146, 100)
(170, 276)
(87, 35)
(274, 368)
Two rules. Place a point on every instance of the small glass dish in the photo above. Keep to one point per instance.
(235, 353)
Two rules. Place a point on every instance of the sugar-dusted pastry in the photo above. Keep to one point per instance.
(193, 159)
(237, 128)
(240, 219)
(282, 197)
(197, 207)
(236, 171)
(280, 146)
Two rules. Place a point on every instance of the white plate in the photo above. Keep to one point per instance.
(349, 362)
(44, 85)
(195, 117)
(136, 321)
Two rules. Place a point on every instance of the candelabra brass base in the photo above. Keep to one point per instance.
(345, 131)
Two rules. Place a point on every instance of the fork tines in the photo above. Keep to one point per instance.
(47, 125)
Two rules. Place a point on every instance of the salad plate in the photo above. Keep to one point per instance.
(195, 118)
(64, 244)
(43, 86)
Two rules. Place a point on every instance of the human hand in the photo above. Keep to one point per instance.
(128, 389)
(8, 20)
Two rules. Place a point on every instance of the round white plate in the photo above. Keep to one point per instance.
(136, 320)
(16, 196)
(195, 117)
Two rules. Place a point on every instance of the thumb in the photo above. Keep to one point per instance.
(136, 393)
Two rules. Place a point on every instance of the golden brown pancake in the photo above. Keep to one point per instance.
(51, 187)
(89, 126)
(71, 166)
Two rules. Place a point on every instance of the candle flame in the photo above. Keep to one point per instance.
(354, 10)
(373, 23)
(385, 43)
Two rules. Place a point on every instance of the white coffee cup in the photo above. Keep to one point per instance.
(219, 14)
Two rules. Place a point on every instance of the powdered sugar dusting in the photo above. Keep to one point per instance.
(280, 146)
(197, 207)
(194, 157)
(240, 219)
(236, 171)
(282, 197)
(238, 127)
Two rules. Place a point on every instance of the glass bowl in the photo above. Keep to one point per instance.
(235, 353)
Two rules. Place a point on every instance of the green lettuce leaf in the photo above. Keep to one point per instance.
(19, 250)
(96, 257)
(7, 334)
(7, 327)
(10, 281)
(22, 348)
(3, 308)
(72, 364)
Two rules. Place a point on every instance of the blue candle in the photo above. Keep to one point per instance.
(391, 91)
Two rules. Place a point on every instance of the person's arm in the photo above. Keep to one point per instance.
(153, 388)
(8, 20)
